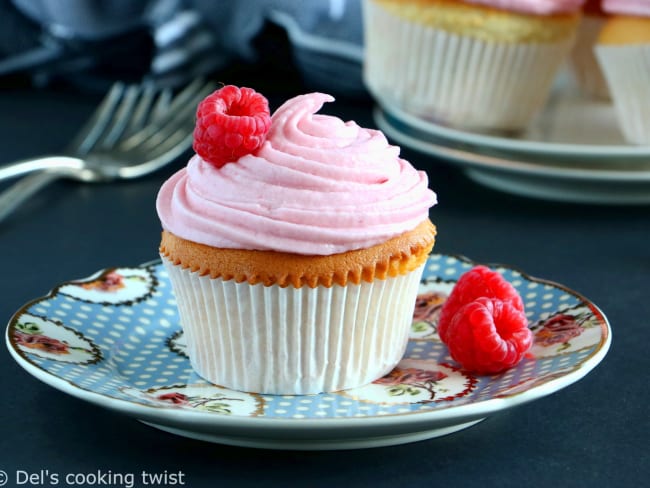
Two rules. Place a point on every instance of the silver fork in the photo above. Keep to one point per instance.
(135, 130)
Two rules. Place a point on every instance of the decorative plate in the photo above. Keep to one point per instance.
(114, 339)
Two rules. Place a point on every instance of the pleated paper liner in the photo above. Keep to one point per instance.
(627, 70)
(583, 60)
(287, 340)
(458, 80)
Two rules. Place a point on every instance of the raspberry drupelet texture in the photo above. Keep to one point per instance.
(488, 336)
(230, 123)
(480, 281)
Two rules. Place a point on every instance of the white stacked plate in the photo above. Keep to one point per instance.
(572, 151)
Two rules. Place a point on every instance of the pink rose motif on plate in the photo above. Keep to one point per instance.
(566, 331)
(410, 376)
(118, 286)
(41, 342)
(110, 283)
(559, 329)
(48, 339)
(425, 315)
(214, 403)
(207, 398)
(427, 306)
(416, 381)
(175, 397)
(411, 381)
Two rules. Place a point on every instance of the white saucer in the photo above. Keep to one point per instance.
(571, 129)
(114, 340)
(549, 179)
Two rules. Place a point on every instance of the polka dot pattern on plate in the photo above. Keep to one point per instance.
(117, 334)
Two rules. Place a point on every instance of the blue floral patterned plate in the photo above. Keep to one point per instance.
(114, 339)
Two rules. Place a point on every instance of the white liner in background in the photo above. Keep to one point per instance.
(269, 339)
(457, 80)
(583, 58)
(627, 70)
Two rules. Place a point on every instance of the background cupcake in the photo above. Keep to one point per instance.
(583, 56)
(623, 52)
(476, 64)
(295, 266)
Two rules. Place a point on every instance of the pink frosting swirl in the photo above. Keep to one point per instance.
(627, 7)
(317, 186)
(537, 7)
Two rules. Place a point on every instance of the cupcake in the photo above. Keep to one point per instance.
(623, 51)
(583, 57)
(295, 255)
(473, 64)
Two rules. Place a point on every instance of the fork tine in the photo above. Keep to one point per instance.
(172, 148)
(162, 104)
(182, 116)
(96, 124)
(189, 94)
(143, 109)
(121, 117)
(149, 137)
(181, 109)
(168, 102)
(168, 137)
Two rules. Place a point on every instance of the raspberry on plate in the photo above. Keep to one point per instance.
(488, 336)
(480, 281)
(230, 123)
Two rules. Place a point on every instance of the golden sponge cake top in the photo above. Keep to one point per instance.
(397, 256)
(483, 22)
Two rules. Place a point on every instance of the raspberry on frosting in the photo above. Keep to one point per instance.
(230, 123)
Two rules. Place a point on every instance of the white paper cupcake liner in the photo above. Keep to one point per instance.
(627, 70)
(268, 339)
(457, 80)
(583, 58)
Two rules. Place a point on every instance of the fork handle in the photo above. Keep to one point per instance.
(16, 194)
(55, 163)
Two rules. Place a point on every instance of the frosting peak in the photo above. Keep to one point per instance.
(317, 186)
(537, 7)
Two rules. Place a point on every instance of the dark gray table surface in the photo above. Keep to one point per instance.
(592, 433)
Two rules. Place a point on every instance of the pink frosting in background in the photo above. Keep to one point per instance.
(317, 186)
(627, 7)
(537, 7)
